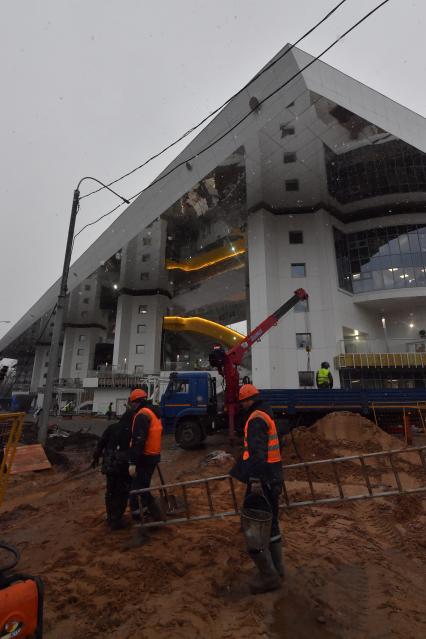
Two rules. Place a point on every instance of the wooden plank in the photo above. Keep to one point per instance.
(29, 458)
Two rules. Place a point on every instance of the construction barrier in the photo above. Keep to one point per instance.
(11, 425)
(398, 419)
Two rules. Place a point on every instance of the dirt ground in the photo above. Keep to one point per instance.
(354, 570)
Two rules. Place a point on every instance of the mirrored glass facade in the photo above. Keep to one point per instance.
(381, 258)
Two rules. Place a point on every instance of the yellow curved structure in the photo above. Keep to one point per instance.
(209, 258)
(220, 333)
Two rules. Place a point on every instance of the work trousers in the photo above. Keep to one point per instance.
(116, 495)
(142, 479)
(272, 493)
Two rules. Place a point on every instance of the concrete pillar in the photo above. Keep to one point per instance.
(78, 350)
(276, 359)
(139, 324)
(142, 303)
(41, 360)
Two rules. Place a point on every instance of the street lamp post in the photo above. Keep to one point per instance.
(60, 308)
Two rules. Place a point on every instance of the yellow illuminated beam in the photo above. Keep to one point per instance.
(203, 326)
(209, 258)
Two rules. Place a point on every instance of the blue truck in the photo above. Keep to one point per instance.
(192, 409)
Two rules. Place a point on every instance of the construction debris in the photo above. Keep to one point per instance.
(29, 458)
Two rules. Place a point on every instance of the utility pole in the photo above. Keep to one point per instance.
(60, 310)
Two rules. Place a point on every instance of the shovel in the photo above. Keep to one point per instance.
(170, 500)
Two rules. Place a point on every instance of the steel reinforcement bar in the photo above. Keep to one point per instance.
(213, 513)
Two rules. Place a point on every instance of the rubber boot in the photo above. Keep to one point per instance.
(117, 524)
(276, 550)
(268, 579)
(156, 511)
(139, 537)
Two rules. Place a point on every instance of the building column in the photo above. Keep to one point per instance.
(41, 360)
(78, 350)
(138, 333)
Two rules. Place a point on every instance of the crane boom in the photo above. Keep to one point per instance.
(227, 362)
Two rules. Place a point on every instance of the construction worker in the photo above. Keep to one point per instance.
(144, 455)
(113, 447)
(324, 376)
(260, 468)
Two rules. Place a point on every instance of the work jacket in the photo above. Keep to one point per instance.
(261, 456)
(145, 443)
(324, 378)
(113, 446)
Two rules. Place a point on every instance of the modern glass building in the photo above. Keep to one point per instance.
(322, 185)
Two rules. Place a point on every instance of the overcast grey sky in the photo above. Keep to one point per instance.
(93, 87)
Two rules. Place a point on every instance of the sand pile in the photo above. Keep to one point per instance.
(337, 434)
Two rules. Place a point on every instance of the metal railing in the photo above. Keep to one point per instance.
(209, 491)
(367, 345)
(11, 425)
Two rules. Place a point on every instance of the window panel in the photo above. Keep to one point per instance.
(298, 270)
(295, 237)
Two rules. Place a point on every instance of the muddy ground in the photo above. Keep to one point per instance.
(354, 570)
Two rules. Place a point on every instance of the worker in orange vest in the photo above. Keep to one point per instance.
(261, 469)
(144, 456)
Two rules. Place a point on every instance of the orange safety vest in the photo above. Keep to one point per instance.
(153, 441)
(274, 454)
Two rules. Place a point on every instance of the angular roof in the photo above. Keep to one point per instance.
(320, 78)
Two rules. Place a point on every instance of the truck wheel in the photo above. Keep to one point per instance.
(189, 435)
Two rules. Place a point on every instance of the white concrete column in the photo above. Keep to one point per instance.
(276, 359)
(142, 303)
(41, 360)
(139, 324)
(78, 350)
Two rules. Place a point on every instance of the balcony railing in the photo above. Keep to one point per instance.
(381, 345)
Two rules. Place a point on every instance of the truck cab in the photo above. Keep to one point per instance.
(189, 408)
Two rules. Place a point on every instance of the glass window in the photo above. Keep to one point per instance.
(139, 369)
(289, 158)
(295, 237)
(286, 130)
(84, 314)
(298, 270)
(292, 185)
(87, 287)
(78, 366)
(178, 387)
(146, 257)
(86, 300)
(302, 306)
(140, 349)
(144, 276)
(81, 338)
(81, 351)
(146, 241)
(143, 309)
(141, 328)
(303, 340)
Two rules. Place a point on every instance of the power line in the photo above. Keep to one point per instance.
(247, 115)
(204, 120)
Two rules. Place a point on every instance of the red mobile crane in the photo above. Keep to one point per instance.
(227, 362)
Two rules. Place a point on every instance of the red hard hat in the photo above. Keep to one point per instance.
(137, 394)
(247, 391)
